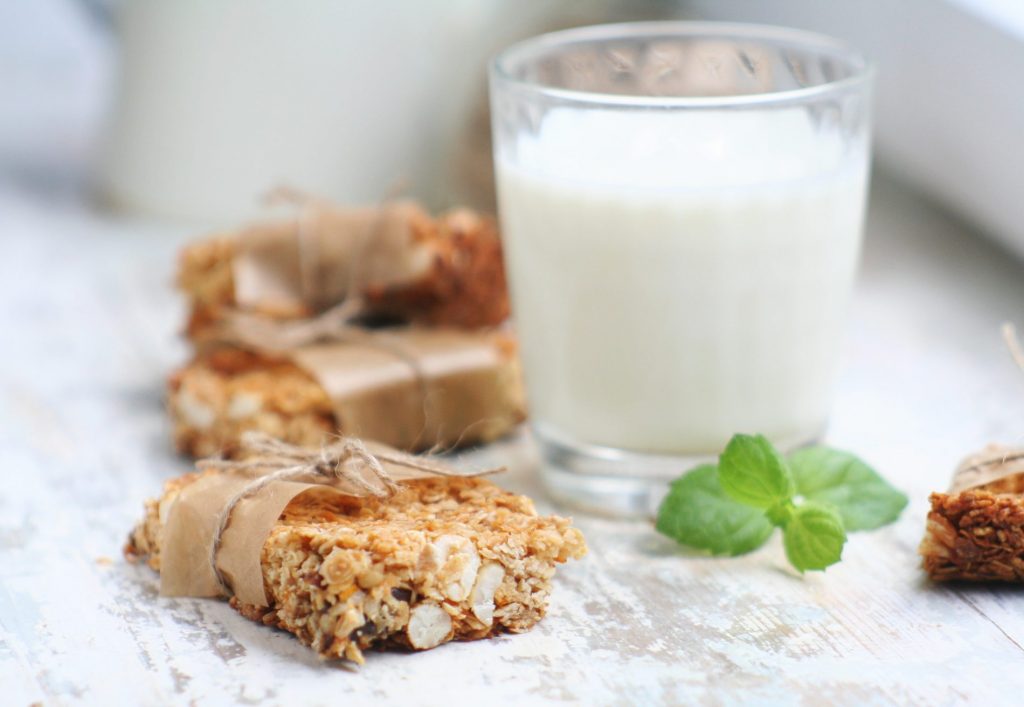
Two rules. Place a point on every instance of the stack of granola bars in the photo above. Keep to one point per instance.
(439, 283)
(382, 324)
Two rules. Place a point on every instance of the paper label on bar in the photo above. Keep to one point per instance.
(185, 568)
(996, 468)
(326, 254)
(412, 388)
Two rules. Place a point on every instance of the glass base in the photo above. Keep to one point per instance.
(613, 482)
(608, 481)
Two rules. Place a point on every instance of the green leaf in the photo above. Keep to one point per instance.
(697, 513)
(752, 472)
(814, 537)
(863, 498)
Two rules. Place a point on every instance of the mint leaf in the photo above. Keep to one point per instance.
(813, 537)
(697, 513)
(863, 498)
(752, 472)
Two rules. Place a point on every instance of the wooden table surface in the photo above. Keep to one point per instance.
(88, 323)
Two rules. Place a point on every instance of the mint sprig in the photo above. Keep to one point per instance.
(815, 496)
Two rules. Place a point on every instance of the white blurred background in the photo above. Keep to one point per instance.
(191, 109)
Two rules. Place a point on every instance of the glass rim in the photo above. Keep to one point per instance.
(863, 69)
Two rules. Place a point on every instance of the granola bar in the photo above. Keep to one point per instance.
(976, 530)
(462, 282)
(977, 534)
(443, 559)
(226, 391)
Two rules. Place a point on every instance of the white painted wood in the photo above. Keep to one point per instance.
(87, 335)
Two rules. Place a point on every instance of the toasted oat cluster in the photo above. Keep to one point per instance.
(976, 535)
(444, 559)
(226, 391)
(464, 286)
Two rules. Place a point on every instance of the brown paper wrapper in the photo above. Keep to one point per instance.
(188, 534)
(326, 254)
(996, 468)
(415, 388)
(185, 568)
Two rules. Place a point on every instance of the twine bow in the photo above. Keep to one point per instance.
(344, 464)
(331, 324)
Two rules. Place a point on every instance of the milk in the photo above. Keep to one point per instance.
(678, 278)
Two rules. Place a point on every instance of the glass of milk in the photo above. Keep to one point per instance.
(682, 206)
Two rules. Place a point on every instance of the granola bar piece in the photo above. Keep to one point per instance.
(463, 285)
(977, 534)
(224, 392)
(976, 531)
(444, 559)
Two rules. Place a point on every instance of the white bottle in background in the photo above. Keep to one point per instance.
(219, 101)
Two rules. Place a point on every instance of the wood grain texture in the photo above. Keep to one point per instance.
(88, 334)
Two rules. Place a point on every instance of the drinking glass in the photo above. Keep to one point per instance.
(681, 207)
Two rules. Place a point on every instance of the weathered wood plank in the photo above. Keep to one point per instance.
(88, 325)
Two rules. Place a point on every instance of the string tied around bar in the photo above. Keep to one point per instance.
(348, 464)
